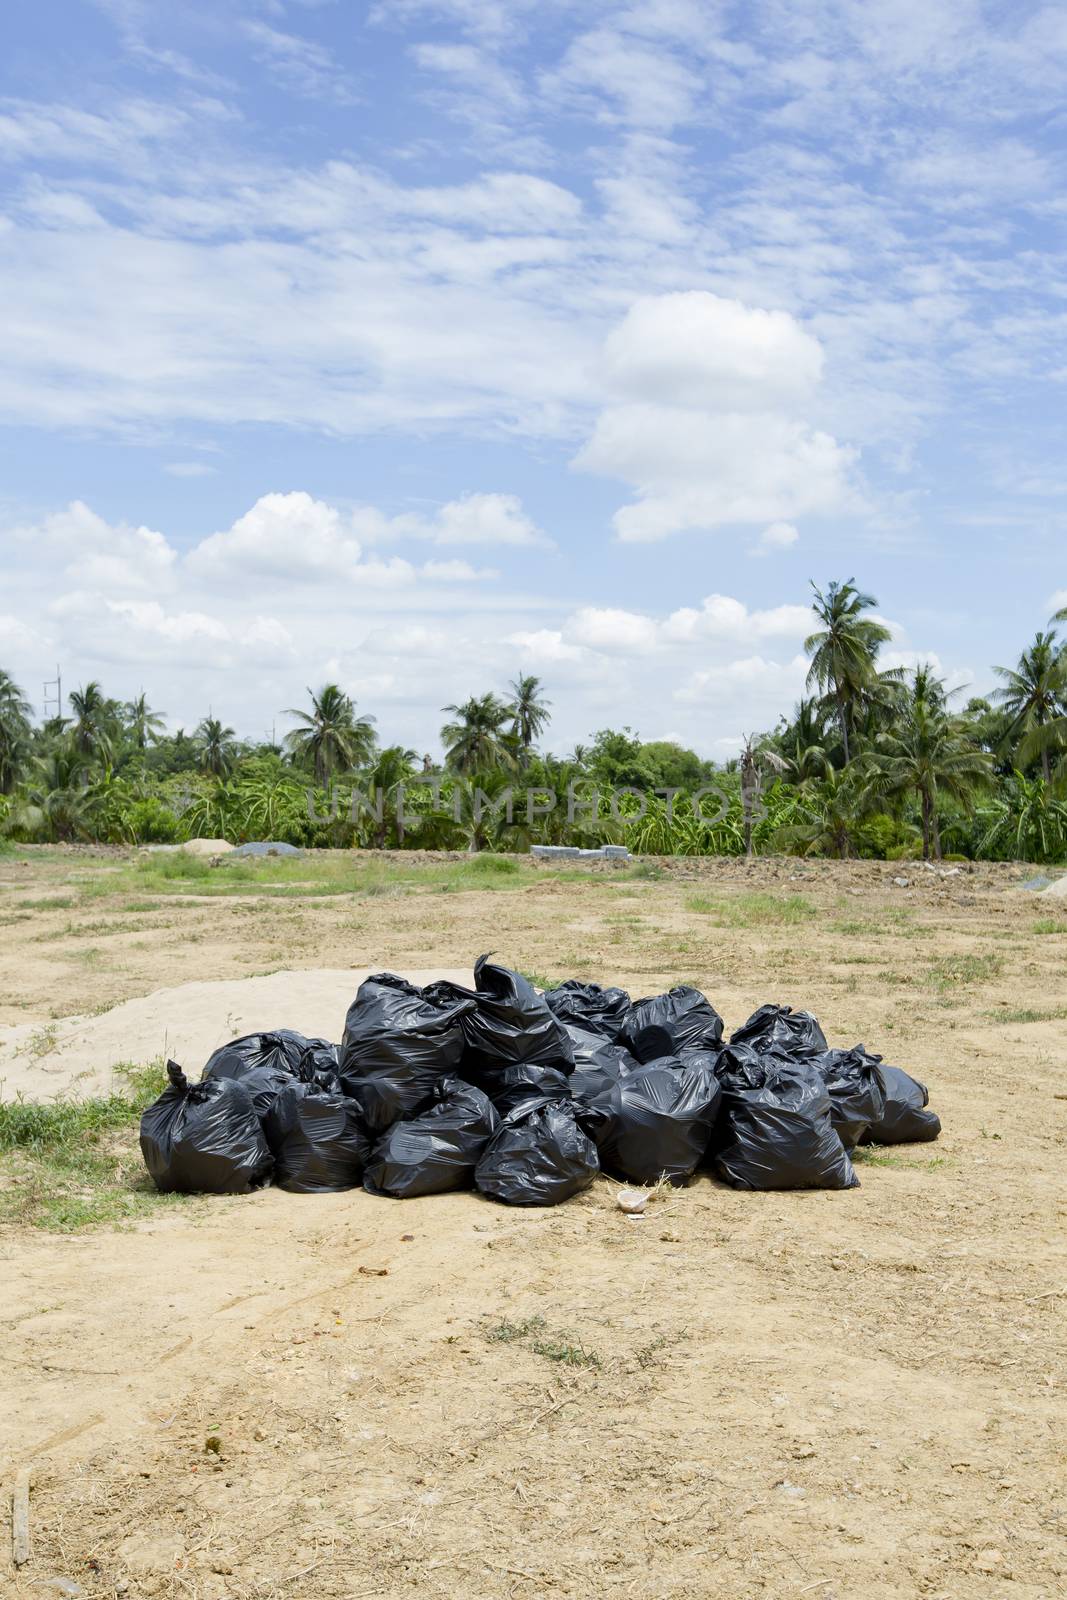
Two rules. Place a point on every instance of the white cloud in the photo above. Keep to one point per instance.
(723, 618)
(289, 536)
(778, 536)
(721, 434)
(612, 630)
(485, 519)
(189, 469)
(698, 349)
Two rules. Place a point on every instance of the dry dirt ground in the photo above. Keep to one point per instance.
(823, 1394)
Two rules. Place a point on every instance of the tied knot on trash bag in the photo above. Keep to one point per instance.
(204, 1137)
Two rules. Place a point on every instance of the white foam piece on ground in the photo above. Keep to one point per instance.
(186, 1022)
(1058, 888)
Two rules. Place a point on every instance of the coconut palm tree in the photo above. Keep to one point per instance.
(478, 739)
(529, 713)
(1034, 692)
(142, 723)
(393, 768)
(216, 747)
(803, 743)
(927, 754)
(15, 711)
(332, 737)
(844, 650)
(93, 723)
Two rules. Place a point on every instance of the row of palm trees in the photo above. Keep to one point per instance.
(866, 738)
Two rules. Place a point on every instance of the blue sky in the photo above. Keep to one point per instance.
(414, 344)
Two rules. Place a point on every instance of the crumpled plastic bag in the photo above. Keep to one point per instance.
(526, 1080)
(664, 1024)
(204, 1138)
(539, 1156)
(857, 1091)
(265, 1062)
(589, 1007)
(905, 1119)
(657, 1121)
(436, 1150)
(509, 1022)
(780, 1028)
(775, 1130)
(318, 1139)
(399, 1042)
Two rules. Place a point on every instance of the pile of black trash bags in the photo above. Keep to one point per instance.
(527, 1096)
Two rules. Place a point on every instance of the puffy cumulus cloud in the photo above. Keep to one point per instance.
(708, 419)
(724, 618)
(611, 630)
(288, 536)
(698, 349)
(484, 519)
(92, 552)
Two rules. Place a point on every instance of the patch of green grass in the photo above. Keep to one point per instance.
(508, 1332)
(1024, 1014)
(957, 971)
(53, 902)
(72, 1164)
(40, 1043)
(538, 1338)
(876, 1155)
(538, 979)
(753, 910)
(887, 1156)
(1050, 925)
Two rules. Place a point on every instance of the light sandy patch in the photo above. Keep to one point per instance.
(187, 1022)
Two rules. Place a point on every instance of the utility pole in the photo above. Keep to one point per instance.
(55, 683)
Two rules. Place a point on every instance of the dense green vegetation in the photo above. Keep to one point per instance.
(873, 763)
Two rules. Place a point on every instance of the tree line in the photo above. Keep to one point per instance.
(873, 761)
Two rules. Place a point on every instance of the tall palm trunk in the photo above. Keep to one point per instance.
(842, 714)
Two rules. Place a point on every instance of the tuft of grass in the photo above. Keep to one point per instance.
(1024, 1014)
(71, 1164)
(875, 1155)
(539, 979)
(41, 1042)
(535, 1335)
(53, 902)
(754, 910)
(508, 1332)
(1050, 925)
(955, 971)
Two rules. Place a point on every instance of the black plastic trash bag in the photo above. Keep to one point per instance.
(436, 1150)
(775, 1130)
(857, 1091)
(509, 1022)
(658, 1121)
(683, 1018)
(204, 1138)
(318, 1140)
(905, 1119)
(590, 1007)
(538, 1156)
(399, 1042)
(526, 1080)
(265, 1062)
(280, 1048)
(794, 1033)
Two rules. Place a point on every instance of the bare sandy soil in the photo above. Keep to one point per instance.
(834, 1395)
